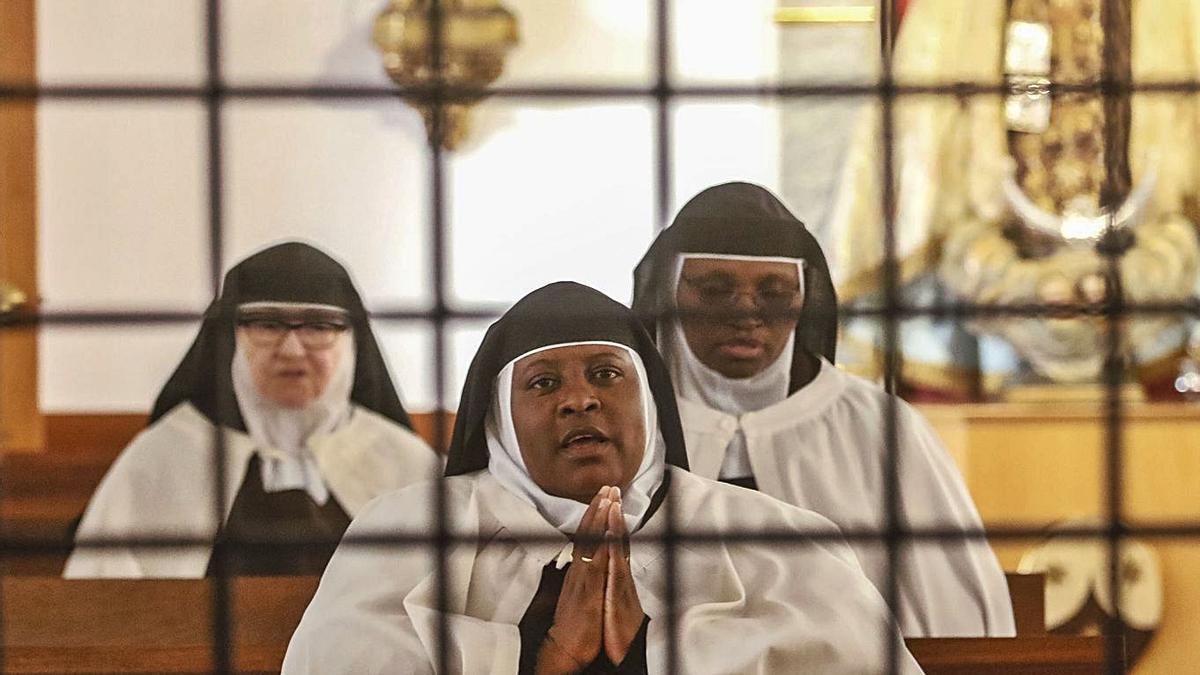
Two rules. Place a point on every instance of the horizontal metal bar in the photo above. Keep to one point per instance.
(32, 542)
(448, 94)
(964, 311)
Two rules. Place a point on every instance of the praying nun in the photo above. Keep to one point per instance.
(566, 471)
(742, 306)
(286, 382)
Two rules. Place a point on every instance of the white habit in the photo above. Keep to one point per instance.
(162, 485)
(744, 607)
(823, 448)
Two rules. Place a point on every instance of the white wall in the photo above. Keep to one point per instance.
(544, 190)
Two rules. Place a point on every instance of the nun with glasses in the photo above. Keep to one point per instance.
(567, 462)
(740, 301)
(286, 382)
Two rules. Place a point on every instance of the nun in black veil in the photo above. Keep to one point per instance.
(739, 298)
(287, 367)
(566, 450)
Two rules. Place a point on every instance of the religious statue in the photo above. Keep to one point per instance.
(1030, 187)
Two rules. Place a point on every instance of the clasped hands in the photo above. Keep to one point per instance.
(598, 608)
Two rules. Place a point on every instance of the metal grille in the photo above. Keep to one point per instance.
(891, 313)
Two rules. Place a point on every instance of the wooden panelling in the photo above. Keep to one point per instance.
(425, 424)
(100, 432)
(20, 423)
(108, 432)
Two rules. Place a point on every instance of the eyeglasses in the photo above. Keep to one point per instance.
(313, 334)
(770, 296)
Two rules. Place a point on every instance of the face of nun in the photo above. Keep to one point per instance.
(292, 355)
(731, 312)
(578, 416)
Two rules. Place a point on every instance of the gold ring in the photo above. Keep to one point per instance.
(585, 559)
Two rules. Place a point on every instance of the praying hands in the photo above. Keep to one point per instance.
(598, 609)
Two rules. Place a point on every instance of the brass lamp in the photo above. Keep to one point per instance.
(475, 37)
(11, 297)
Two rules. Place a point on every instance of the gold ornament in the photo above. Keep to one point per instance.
(476, 35)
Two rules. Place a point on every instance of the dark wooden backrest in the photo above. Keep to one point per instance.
(1028, 594)
(1045, 655)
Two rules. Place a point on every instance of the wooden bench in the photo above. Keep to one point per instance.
(166, 626)
(147, 626)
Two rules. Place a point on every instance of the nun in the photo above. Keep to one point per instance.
(286, 382)
(566, 464)
(740, 301)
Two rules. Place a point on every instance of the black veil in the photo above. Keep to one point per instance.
(559, 313)
(741, 219)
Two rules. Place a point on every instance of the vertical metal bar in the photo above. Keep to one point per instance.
(662, 99)
(663, 191)
(213, 104)
(1116, 20)
(440, 311)
(1114, 629)
(221, 615)
(891, 318)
